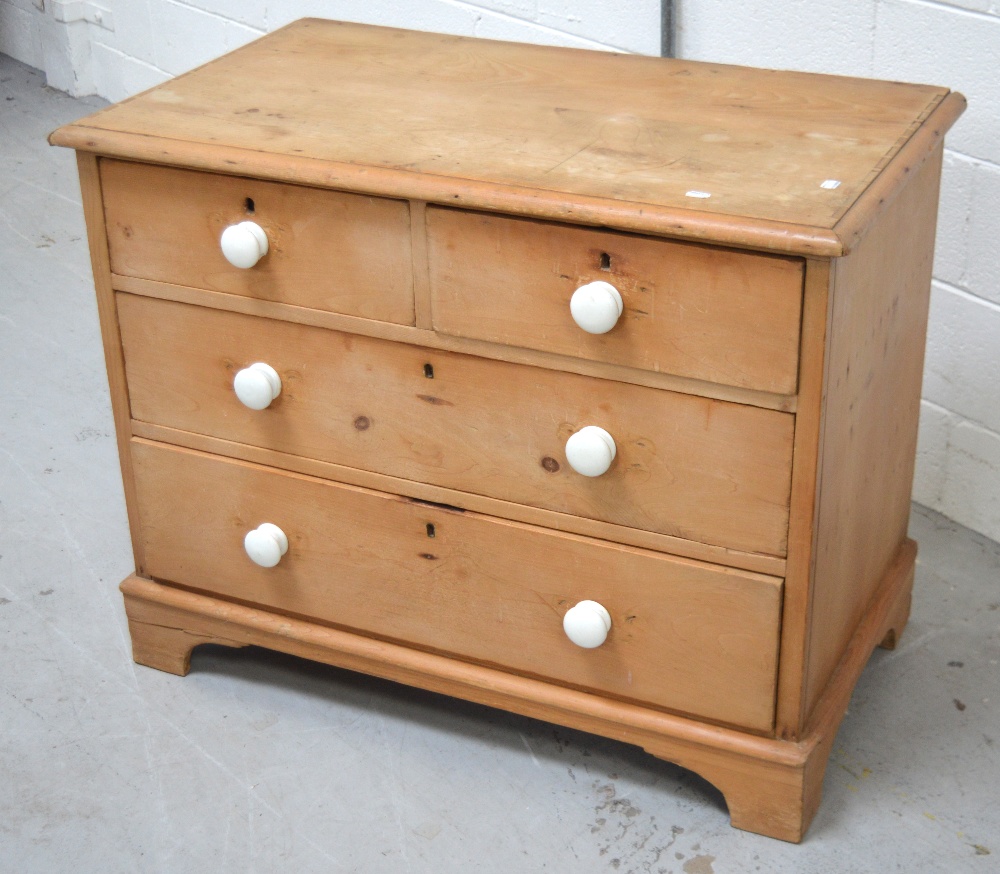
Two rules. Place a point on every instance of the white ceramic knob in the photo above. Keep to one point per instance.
(257, 385)
(587, 624)
(590, 451)
(596, 306)
(244, 244)
(266, 544)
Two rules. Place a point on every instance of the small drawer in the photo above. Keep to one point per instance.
(685, 466)
(344, 253)
(693, 311)
(685, 636)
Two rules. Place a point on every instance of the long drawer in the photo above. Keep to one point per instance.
(685, 636)
(694, 311)
(686, 466)
(327, 250)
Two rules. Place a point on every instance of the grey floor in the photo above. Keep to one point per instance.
(261, 762)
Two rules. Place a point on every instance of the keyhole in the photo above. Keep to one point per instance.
(249, 204)
(429, 371)
(430, 529)
(605, 261)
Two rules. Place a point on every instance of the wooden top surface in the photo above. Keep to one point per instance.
(570, 134)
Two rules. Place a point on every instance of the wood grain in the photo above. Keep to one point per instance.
(687, 224)
(410, 107)
(424, 318)
(891, 179)
(772, 787)
(685, 636)
(817, 325)
(746, 767)
(884, 614)
(93, 210)
(705, 313)
(872, 404)
(168, 649)
(686, 466)
(327, 250)
(763, 423)
(432, 340)
(750, 561)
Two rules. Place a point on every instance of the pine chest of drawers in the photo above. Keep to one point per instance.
(580, 385)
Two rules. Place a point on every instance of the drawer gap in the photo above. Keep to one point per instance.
(451, 508)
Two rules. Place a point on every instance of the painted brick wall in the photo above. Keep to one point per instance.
(941, 42)
(135, 44)
(139, 43)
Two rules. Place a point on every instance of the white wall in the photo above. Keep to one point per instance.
(941, 42)
(118, 47)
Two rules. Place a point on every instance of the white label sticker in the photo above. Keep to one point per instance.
(830, 183)
(698, 194)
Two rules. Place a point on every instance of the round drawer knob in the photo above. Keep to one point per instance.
(244, 244)
(596, 306)
(266, 544)
(257, 385)
(587, 624)
(590, 451)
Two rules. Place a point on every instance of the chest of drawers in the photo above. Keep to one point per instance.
(580, 385)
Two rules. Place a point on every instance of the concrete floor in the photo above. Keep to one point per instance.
(262, 762)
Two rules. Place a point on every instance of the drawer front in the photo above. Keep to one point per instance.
(330, 251)
(693, 311)
(686, 466)
(686, 636)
